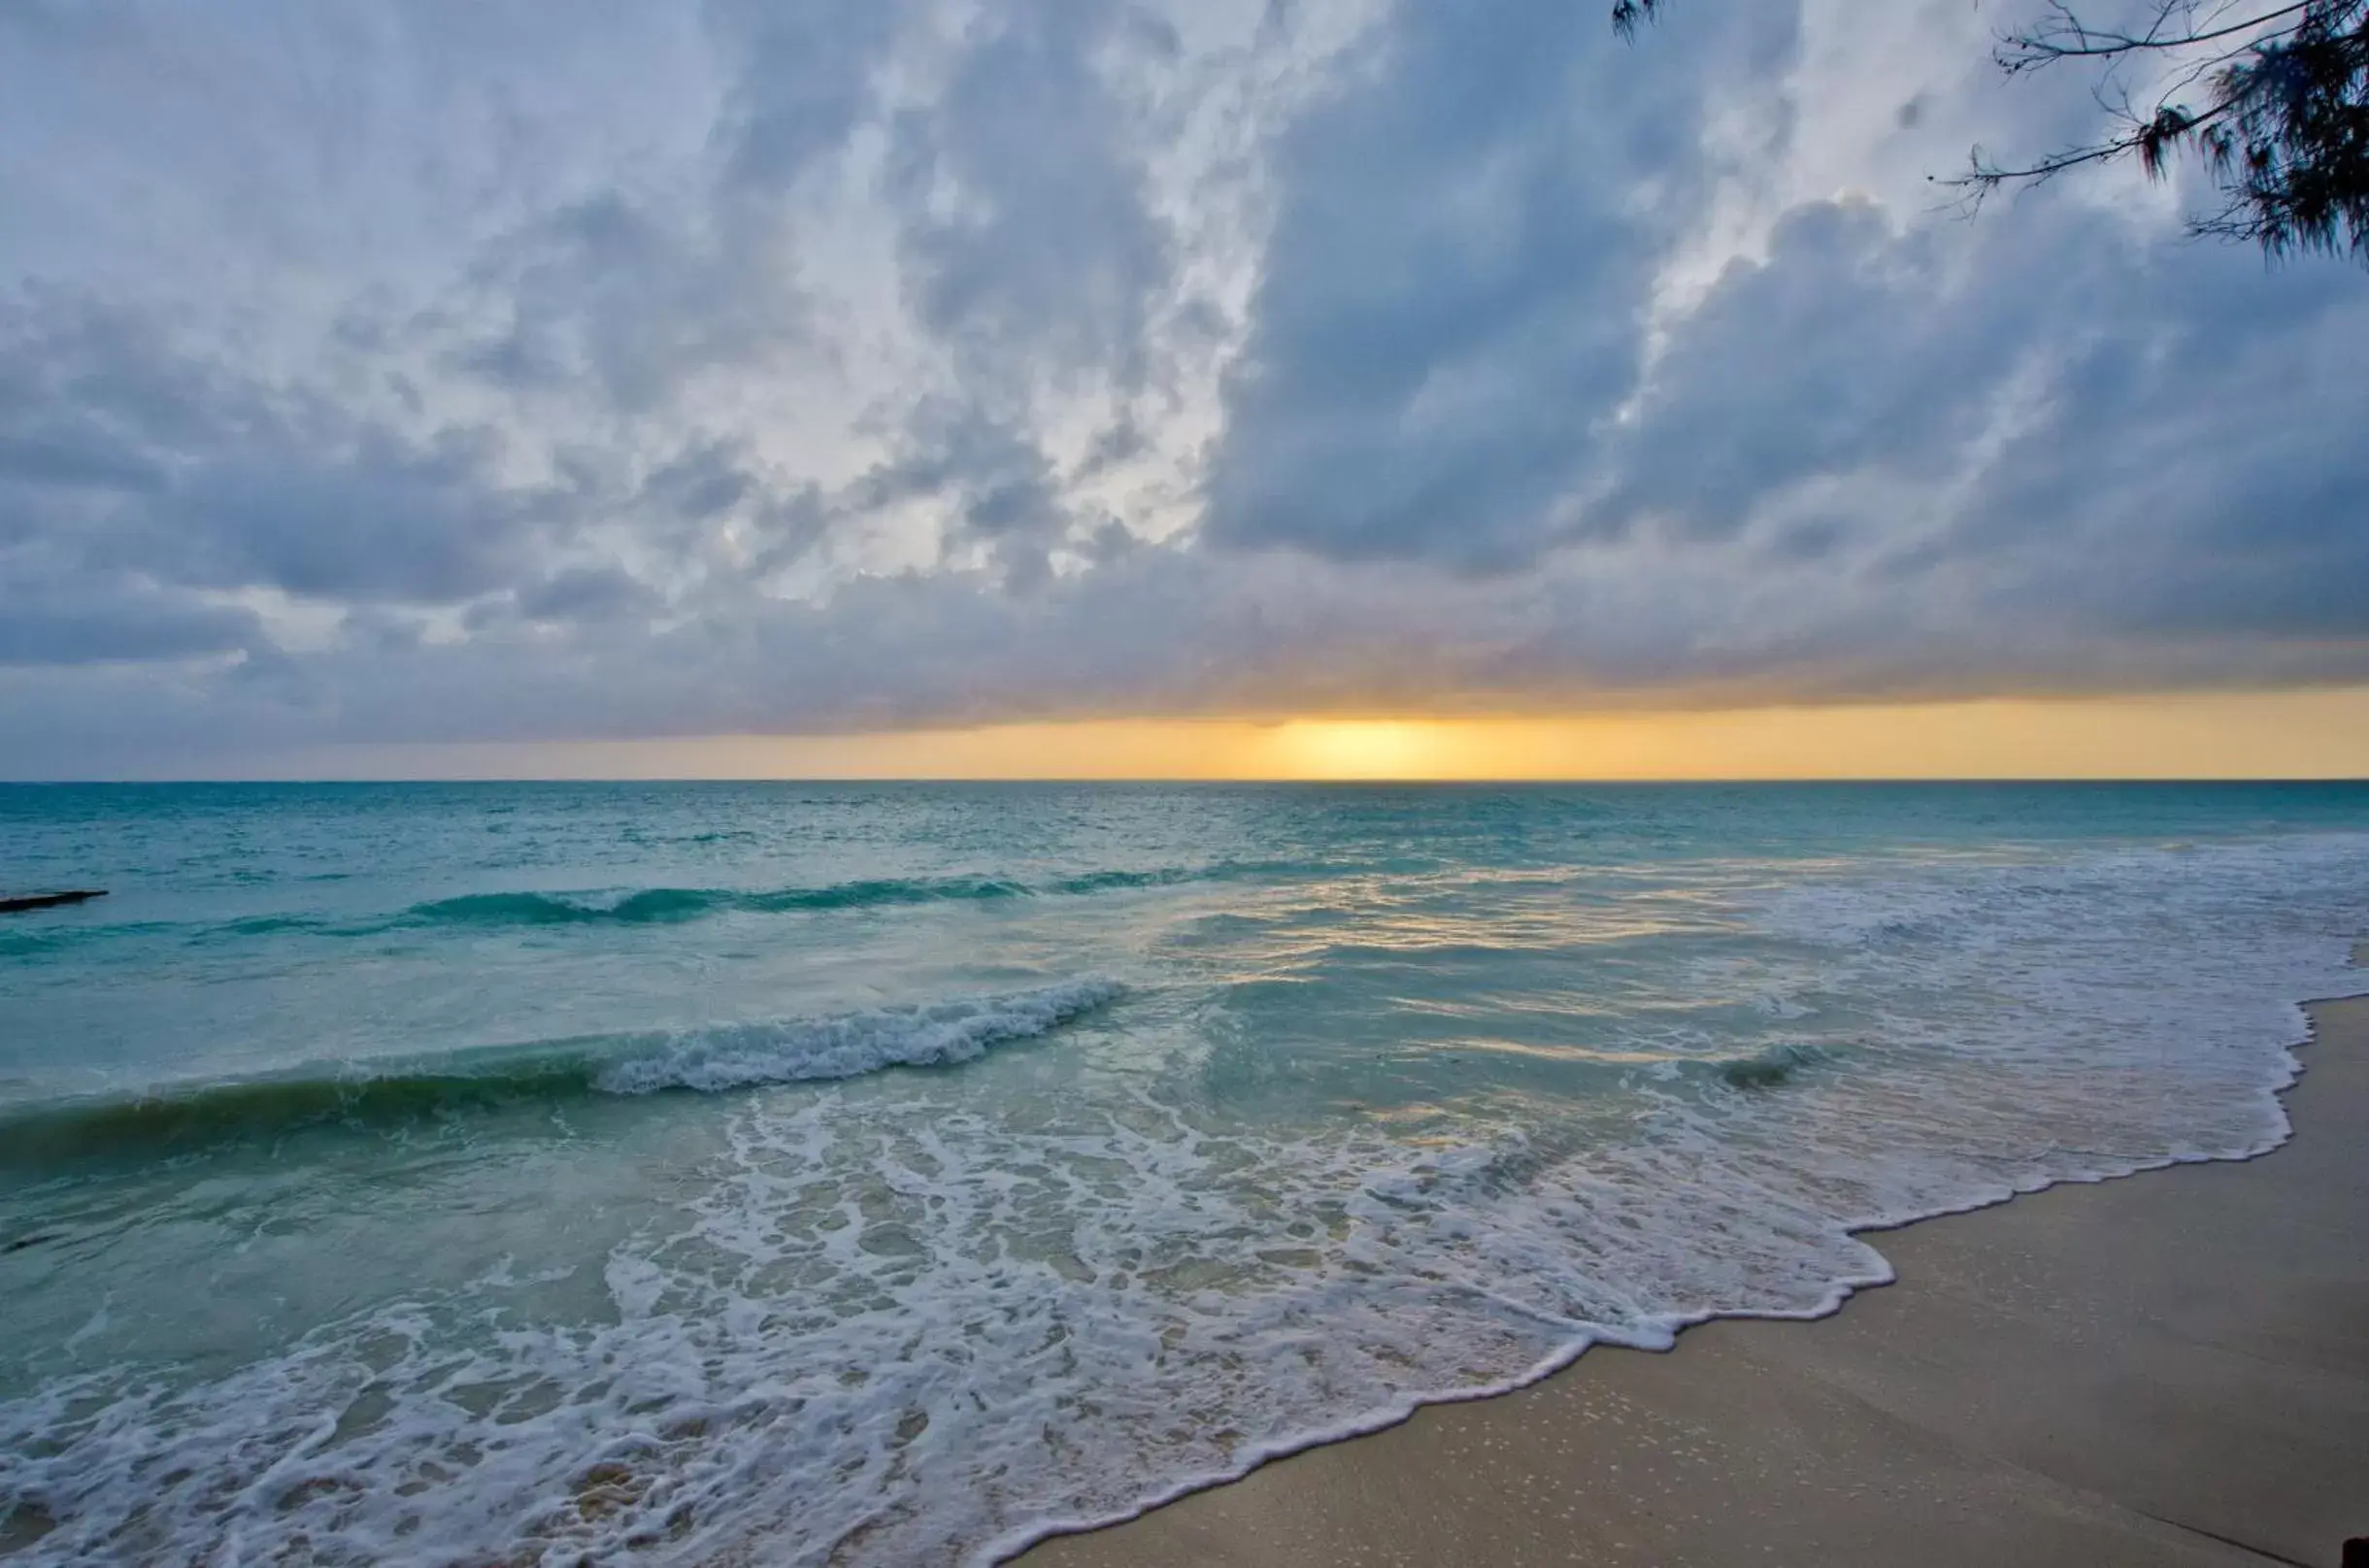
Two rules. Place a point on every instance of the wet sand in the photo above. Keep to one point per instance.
(2167, 1371)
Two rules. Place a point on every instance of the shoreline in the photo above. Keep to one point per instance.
(1699, 1453)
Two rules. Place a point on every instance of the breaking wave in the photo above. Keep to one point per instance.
(657, 906)
(713, 1059)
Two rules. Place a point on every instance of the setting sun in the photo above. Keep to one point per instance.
(1360, 749)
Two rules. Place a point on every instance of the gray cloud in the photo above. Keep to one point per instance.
(90, 619)
(608, 294)
(1846, 350)
(1027, 230)
(1455, 298)
(596, 593)
(840, 378)
(120, 451)
(805, 79)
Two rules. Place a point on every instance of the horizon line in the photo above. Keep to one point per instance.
(1181, 780)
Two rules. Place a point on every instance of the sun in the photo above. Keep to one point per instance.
(1357, 748)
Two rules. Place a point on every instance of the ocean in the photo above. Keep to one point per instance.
(896, 1173)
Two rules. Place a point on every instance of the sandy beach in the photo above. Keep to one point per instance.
(2171, 1369)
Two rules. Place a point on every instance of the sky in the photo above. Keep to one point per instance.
(1194, 388)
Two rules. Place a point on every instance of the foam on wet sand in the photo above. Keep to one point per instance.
(2167, 1369)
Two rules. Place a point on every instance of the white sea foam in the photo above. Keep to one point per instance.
(737, 1056)
(905, 1327)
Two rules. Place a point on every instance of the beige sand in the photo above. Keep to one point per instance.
(2163, 1371)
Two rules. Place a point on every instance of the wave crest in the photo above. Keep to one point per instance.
(943, 1034)
(653, 905)
(707, 1060)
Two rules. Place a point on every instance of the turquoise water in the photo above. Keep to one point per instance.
(892, 1173)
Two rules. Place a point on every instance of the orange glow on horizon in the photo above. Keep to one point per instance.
(1367, 748)
(2292, 734)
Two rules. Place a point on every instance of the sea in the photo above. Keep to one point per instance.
(849, 1174)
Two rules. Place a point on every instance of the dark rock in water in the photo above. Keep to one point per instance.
(1756, 1073)
(2357, 1551)
(79, 895)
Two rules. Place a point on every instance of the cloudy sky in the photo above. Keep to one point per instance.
(616, 372)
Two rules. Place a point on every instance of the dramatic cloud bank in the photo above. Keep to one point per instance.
(619, 368)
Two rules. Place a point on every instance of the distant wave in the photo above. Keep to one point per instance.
(654, 906)
(1100, 882)
(707, 1060)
